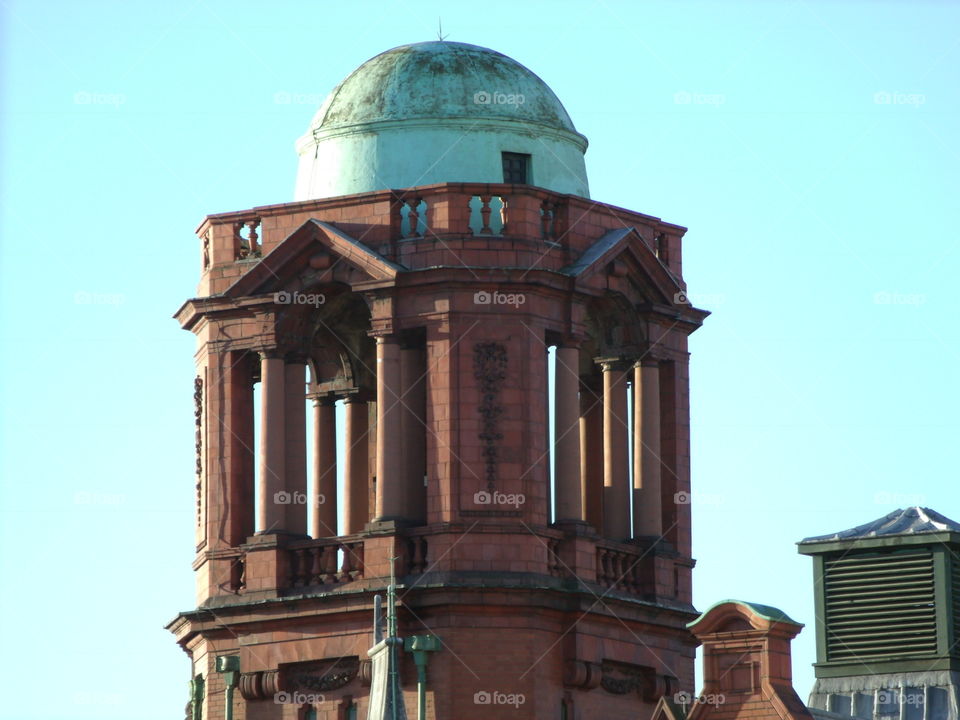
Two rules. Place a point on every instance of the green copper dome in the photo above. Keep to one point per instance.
(438, 112)
(441, 80)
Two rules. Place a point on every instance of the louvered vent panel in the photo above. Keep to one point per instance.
(880, 606)
(955, 595)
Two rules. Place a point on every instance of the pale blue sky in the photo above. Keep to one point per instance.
(810, 147)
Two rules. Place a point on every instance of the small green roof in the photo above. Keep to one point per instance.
(767, 612)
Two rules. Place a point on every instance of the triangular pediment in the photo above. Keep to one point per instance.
(315, 253)
(627, 245)
(667, 708)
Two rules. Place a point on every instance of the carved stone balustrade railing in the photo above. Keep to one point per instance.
(327, 561)
(624, 568)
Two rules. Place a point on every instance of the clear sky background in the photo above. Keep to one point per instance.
(810, 147)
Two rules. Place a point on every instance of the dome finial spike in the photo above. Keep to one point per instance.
(440, 36)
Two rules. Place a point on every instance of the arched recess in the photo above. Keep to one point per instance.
(341, 353)
(341, 356)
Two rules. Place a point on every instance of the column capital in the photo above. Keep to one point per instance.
(613, 364)
(647, 361)
(324, 400)
(385, 336)
(272, 353)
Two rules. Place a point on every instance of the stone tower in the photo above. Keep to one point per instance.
(443, 353)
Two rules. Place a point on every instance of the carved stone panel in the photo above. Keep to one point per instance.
(320, 676)
(490, 370)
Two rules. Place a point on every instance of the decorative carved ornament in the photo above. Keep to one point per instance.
(490, 370)
(619, 678)
(581, 674)
(198, 421)
(622, 678)
(321, 675)
(259, 685)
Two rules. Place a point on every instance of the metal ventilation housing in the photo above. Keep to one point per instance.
(880, 606)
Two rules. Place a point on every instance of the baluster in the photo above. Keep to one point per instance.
(504, 214)
(398, 207)
(485, 215)
(468, 230)
(252, 237)
(413, 217)
(347, 566)
(603, 566)
(546, 220)
(329, 562)
(243, 248)
(316, 566)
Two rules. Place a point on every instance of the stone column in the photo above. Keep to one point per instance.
(270, 515)
(389, 458)
(567, 436)
(646, 453)
(355, 466)
(295, 448)
(591, 454)
(616, 504)
(413, 420)
(323, 491)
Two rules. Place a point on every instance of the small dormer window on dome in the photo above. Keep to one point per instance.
(516, 168)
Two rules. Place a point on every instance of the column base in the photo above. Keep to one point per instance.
(266, 537)
(387, 524)
(575, 527)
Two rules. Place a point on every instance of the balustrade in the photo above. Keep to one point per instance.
(325, 562)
